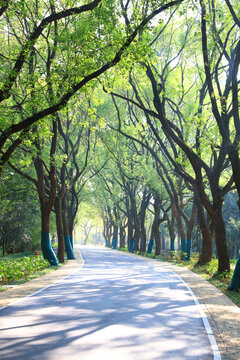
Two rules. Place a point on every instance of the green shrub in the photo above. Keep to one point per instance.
(14, 269)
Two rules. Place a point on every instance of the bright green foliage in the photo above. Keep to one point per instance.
(19, 216)
(11, 269)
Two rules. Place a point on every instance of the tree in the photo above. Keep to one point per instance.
(107, 42)
(46, 188)
(189, 164)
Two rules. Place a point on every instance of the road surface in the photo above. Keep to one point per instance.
(117, 307)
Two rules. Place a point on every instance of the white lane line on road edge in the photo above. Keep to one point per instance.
(46, 287)
(215, 350)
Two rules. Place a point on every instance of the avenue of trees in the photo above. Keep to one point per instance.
(129, 106)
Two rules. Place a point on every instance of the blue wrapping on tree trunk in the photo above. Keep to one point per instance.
(172, 245)
(183, 245)
(71, 240)
(183, 248)
(150, 246)
(114, 243)
(235, 283)
(106, 243)
(68, 248)
(47, 250)
(189, 246)
(131, 245)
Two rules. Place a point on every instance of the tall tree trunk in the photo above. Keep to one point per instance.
(122, 237)
(59, 225)
(46, 246)
(155, 225)
(157, 237)
(190, 225)
(143, 236)
(130, 234)
(67, 241)
(162, 240)
(115, 237)
(182, 233)
(136, 236)
(171, 229)
(205, 255)
(142, 215)
(105, 233)
(70, 224)
(221, 241)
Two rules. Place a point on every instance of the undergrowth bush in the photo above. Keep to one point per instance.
(14, 269)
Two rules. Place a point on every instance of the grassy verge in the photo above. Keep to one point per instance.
(208, 272)
(19, 268)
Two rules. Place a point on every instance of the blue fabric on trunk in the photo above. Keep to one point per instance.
(183, 245)
(71, 241)
(132, 245)
(235, 283)
(68, 248)
(114, 243)
(172, 245)
(47, 250)
(150, 246)
(183, 248)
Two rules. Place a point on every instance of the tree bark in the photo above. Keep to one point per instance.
(221, 241)
(205, 255)
(67, 241)
(115, 237)
(59, 225)
(155, 225)
(122, 237)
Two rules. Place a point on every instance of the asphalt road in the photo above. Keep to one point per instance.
(116, 307)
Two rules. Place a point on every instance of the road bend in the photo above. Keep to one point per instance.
(116, 307)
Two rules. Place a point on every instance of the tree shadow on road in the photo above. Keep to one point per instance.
(127, 311)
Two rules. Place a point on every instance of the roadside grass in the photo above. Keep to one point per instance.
(17, 269)
(208, 271)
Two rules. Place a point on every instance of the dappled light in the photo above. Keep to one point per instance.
(105, 310)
